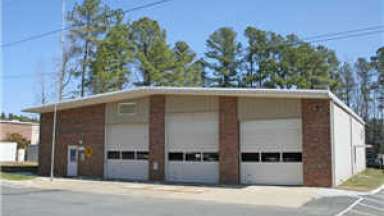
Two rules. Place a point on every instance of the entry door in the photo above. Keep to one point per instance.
(72, 161)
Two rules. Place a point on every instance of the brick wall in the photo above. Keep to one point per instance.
(23, 129)
(45, 143)
(157, 137)
(228, 141)
(87, 124)
(317, 148)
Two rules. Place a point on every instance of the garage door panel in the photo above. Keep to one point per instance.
(122, 138)
(271, 135)
(193, 133)
(205, 172)
(272, 173)
(128, 137)
(279, 136)
(134, 170)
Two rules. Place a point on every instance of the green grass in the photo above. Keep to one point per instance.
(18, 164)
(16, 176)
(365, 181)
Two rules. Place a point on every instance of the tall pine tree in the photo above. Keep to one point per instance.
(223, 57)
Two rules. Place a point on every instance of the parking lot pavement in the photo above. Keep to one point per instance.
(367, 205)
(22, 201)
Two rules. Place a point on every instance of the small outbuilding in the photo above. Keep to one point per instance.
(205, 135)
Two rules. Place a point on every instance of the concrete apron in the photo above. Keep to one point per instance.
(289, 197)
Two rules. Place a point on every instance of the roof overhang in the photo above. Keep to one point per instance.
(197, 91)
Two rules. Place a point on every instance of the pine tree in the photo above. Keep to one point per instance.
(363, 71)
(110, 68)
(155, 59)
(223, 57)
(90, 20)
(188, 69)
(347, 84)
(256, 52)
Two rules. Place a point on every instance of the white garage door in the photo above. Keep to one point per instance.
(271, 152)
(192, 147)
(127, 152)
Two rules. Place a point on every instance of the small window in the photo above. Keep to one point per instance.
(210, 156)
(113, 155)
(193, 156)
(73, 155)
(127, 108)
(127, 155)
(141, 155)
(250, 157)
(270, 157)
(292, 157)
(175, 156)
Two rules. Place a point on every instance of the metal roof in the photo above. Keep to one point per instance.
(147, 91)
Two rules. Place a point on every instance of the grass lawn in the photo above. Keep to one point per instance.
(16, 176)
(365, 181)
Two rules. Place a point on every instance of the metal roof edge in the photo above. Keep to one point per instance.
(346, 108)
(202, 91)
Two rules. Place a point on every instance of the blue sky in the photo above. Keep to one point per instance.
(191, 21)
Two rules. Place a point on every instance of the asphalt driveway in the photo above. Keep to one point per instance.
(367, 205)
(21, 201)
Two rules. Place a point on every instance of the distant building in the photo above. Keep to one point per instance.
(29, 130)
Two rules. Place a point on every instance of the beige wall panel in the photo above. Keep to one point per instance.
(190, 104)
(141, 116)
(263, 108)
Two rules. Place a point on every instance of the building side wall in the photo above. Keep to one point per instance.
(342, 142)
(358, 146)
(317, 147)
(86, 124)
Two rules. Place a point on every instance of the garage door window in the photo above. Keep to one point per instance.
(211, 156)
(128, 155)
(270, 157)
(292, 157)
(114, 155)
(250, 157)
(193, 156)
(140, 155)
(175, 156)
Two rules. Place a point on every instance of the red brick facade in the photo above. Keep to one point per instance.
(228, 141)
(157, 138)
(86, 124)
(317, 147)
(45, 143)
